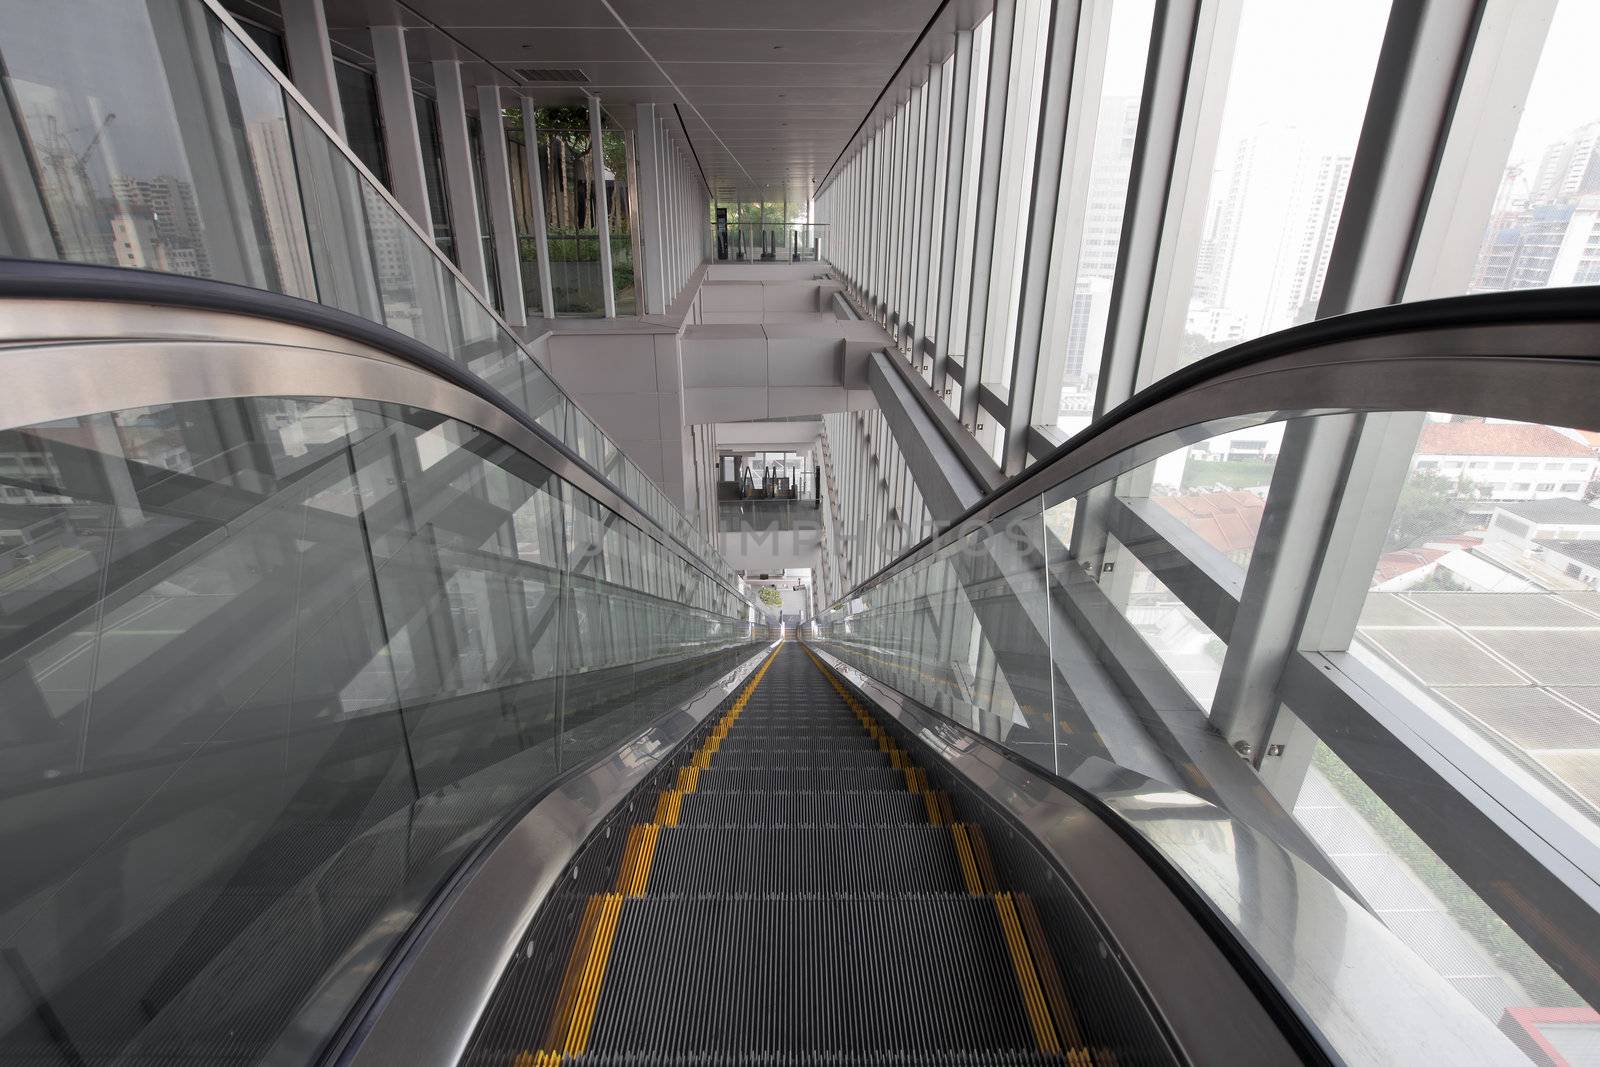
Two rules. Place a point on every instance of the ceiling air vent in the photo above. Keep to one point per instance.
(566, 75)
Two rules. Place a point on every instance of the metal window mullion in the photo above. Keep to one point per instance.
(502, 216)
(456, 146)
(1002, 28)
(1057, 100)
(933, 98)
(902, 127)
(918, 174)
(1403, 134)
(1088, 80)
(1185, 86)
(535, 191)
(931, 312)
(955, 156)
(402, 142)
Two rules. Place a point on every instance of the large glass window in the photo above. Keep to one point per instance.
(363, 122)
(1078, 323)
(1297, 92)
(1544, 228)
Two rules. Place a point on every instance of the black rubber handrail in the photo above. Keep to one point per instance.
(45, 279)
(1518, 307)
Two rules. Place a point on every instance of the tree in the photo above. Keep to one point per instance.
(769, 596)
(1426, 509)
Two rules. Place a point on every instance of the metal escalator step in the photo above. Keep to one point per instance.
(764, 808)
(832, 758)
(743, 742)
(694, 860)
(822, 980)
(933, 1058)
(789, 779)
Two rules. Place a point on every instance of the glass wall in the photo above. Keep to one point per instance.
(567, 175)
(119, 158)
(270, 668)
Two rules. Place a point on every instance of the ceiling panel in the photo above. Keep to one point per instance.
(783, 85)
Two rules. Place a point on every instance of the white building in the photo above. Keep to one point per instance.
(1506, 460)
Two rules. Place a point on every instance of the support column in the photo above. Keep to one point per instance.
(456, 145)
(401, 141)
(541, 230)
(648, 196)
(305, 35)
(502, 218)
(602, 225)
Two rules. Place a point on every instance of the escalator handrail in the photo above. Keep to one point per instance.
(1524, 323)
(33, 279)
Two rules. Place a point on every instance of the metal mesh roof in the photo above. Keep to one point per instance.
(1443, 657)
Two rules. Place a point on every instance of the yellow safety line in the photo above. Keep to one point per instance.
(969, 869)
(981, 858)
(594, 976)
(669, 806)
(647, 853)
(566, 999)
(1055, 992)
(1044, 1031)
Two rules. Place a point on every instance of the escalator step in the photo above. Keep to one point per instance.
(784, 780)
(763, 808)
(698, 860)
(800, 758)
(735, 980)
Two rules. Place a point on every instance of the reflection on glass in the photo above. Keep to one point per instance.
(123, 161)
(268, 669)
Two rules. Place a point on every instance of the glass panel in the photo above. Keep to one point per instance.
(1216, 487)
(1418, 896)
(363, 128)
(1484, 603)
(1545, 225)
(269, 669)
(124, 162)
(1080, 315)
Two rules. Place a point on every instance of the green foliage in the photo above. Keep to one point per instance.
(1426, 510)
(1232, 473)
(769, 596)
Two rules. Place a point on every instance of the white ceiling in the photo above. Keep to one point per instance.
(769, 91)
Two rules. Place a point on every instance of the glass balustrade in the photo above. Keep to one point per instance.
(150, 137)
(270, 669)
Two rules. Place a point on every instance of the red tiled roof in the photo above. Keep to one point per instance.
(1227, 519)
(1497, 439)
(1404, 561)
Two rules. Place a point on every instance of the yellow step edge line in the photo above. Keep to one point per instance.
(969, 869)
(641, 878)
(571, 978)
(1055, 990)
(594, 976)
(1044, 1031)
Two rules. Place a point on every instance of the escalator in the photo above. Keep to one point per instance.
(799, 890)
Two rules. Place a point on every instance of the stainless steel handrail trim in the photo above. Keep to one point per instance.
(1530, 355)
(70, 358)
(1360, 991)
(431, 1006)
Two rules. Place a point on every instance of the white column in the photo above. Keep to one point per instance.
(305, 34)
(402, 144)
(602, 227)
(502, 218)
(541, 233)
(648, 196)
(456, 146)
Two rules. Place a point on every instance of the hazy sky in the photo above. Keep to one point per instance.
(1566, 88)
